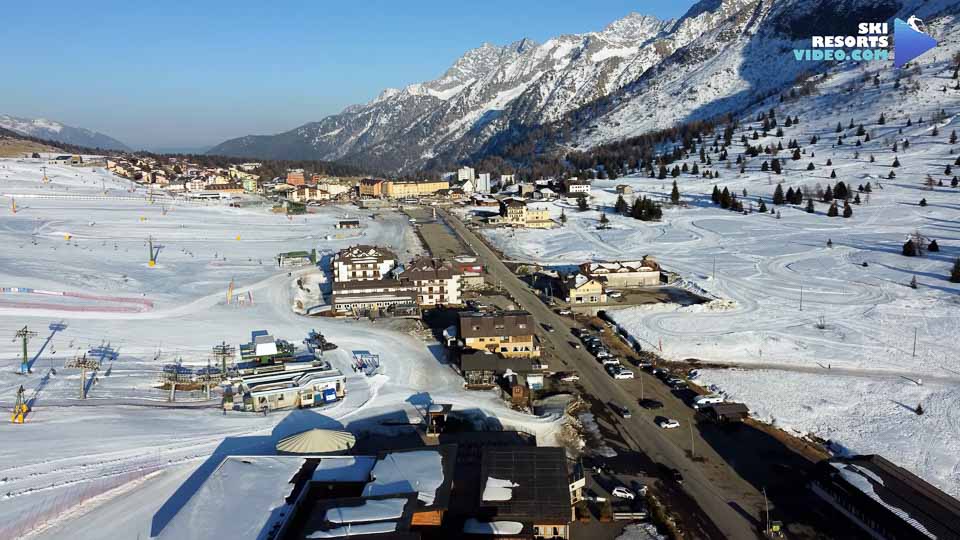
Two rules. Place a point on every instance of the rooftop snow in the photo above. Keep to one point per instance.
(420, 471)
(473, 526)
(356, 530)
(344, 469)
(239, 500)
(498, 490)
(370, 510)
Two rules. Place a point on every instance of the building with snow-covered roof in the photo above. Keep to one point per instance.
(642, 273)
(525, 493)
(362, 263)
(579, 288)
(885, 500)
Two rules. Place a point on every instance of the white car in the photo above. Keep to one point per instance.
(623, 493)
(572, 377)
(707, 400)
(623, 374)
(668, 423)
(614, 294)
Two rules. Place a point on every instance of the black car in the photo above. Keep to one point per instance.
(651, 404)
(676, 476)
(620, 409)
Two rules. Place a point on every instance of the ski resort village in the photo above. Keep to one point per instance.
(733, 316)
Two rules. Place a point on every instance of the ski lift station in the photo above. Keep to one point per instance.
(298, 385)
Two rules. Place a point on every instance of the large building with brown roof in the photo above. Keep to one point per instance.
(510, 334)
(435, 282)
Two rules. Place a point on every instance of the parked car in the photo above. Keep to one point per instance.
(564, 311)
(676, 476)
(547, 327)
(693, 374)
(661, 373)
(638, 488)
(603, 353)
(704, 401)
(623, 374)
(615, 294)
(650, 404)
(620, 409)
(569, 377)
(668, 423)
(622, 492)
(612, 361)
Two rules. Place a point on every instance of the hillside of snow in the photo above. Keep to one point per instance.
(817, 308)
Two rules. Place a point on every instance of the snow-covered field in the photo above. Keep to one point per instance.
(859, 312)
(122, 454)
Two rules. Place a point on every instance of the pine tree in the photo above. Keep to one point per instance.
(948, 171)
(796, 154)
(621, 205)
(856, 199)
(810, 166)
(775, 166)
(882, 120)
(847, 210)
(695, 169)
(763, 207)
(913, 285)
(955, 273)
(675, 193)
(582, 203)
(840, 191)
(919, 409)
(954, 182)
(953, 137)
(909, 249)
(810, 208)
(778, 195)
(764, 167)
(933, 246)
(828, 194)
(832, 211)
(896, 162)
(839, 128)
(603, 220)
(725, 199)
(715, 197)
(923, 202)
(833, 173)
(563, 216)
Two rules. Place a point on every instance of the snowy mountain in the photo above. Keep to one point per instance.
(638, 74)
(55, 131)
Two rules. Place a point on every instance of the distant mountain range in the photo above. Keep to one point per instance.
(55, 131)
(638, 74)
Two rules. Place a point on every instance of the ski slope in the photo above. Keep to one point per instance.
(109, 465)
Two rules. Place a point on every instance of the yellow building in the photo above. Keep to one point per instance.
(581, 289)
(400, 190)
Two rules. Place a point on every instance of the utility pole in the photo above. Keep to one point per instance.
(801, 298)
(24, 334)
(693, 454)
(914, 342)
(714, 267)
(641, 387)
(766, 505)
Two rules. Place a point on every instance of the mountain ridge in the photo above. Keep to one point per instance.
(54, 131)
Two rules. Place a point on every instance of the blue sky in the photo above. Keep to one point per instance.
(182, 74)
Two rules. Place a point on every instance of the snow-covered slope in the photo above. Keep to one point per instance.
(55, 131)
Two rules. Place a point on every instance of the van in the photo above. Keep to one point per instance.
(707, 400)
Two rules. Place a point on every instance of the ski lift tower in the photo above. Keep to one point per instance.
(20, 408)
(24, 334)
(84, 364)
(208, 377)
(222, 354)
